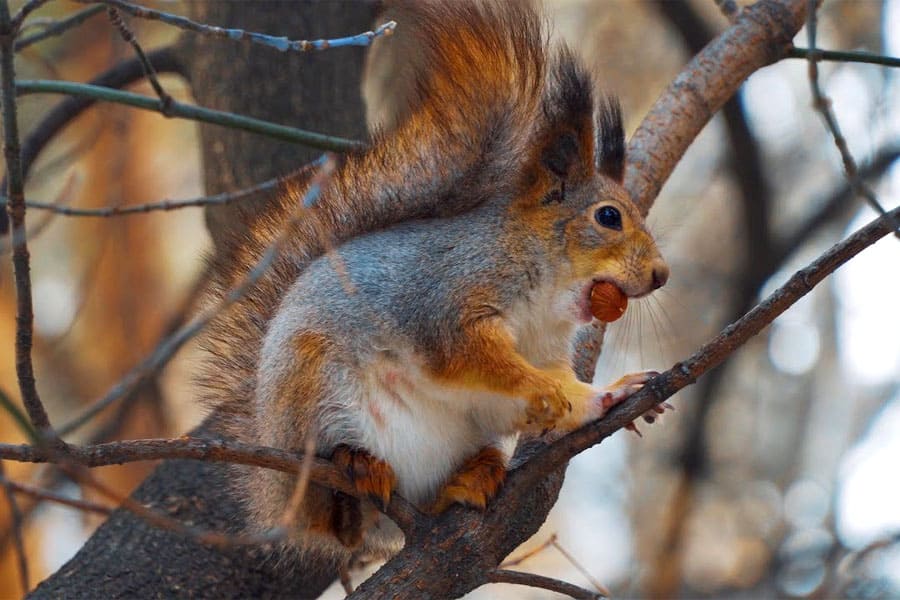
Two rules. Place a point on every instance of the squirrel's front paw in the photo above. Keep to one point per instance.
(623, 389)
(547, 404)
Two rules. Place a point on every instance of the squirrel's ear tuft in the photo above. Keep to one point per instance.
(568, 107)
(610, 140)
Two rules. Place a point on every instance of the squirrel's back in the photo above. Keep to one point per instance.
(464, 131)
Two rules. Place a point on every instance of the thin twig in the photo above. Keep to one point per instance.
(33, 231)
(540, 581)
(190, 111)
(853, 56)
(279, 43)
(21, 419)
(50, 496)
(27, 8)
(322, 472)
(163, 205)
(58, 27)
(823, 105)
(569, 557)
(513, 562)
(16, 210)
(166, 350)
(165, 100)
(16, 526)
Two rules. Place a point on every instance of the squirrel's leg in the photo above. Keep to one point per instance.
(475, 482)
(370, 475)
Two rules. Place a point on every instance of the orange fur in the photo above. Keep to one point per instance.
(475, 483)
(371, 476)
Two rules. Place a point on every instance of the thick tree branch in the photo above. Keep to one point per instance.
(761, 35)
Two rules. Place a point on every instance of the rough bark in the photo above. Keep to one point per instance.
(129, 558)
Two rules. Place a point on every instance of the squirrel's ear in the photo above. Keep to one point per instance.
(568, 108)
(560, 153)
(610, 140)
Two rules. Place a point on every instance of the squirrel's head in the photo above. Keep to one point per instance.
(573, 188)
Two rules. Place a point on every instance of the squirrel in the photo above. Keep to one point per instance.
(421, 313)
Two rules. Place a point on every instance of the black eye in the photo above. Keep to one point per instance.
(608, 216)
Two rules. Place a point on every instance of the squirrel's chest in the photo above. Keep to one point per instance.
(543, 325)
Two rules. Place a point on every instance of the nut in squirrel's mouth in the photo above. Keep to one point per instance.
(603, 300)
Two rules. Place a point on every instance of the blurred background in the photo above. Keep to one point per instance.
(777, 474)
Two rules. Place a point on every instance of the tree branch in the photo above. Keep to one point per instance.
(849, 56)
(163, 205)
(279, 43)
(539, 581)
(180, 110)
(15, 191)
(58, 28)
(823, 105)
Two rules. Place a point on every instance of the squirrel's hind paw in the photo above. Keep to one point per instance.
(475, 482)
(371, 476)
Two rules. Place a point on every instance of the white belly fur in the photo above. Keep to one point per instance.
(425, 430)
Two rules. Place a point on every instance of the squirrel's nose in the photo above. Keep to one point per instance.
(660, 275)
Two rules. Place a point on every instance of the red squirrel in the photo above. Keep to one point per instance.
(427, 337)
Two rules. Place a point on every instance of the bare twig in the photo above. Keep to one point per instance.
(851, 56)
(279, 43)
(7, 404)
(513, 562)
(42, 494)
(165, 100)
(568, 556)
(823, 105)
(29, 7)
(58, 27)
(16, 526)
(540, 581)
(66, 195)
(181, 110)
(163, 205)
(322, 471)
(16, 210)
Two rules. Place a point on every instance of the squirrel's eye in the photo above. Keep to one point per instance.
(608, 216)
